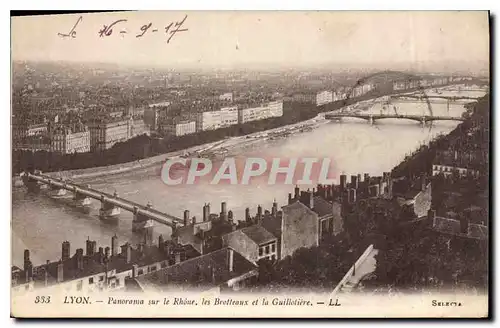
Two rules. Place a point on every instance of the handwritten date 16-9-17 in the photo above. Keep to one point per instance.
(107, 30)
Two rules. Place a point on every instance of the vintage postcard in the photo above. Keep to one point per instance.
(256, 164)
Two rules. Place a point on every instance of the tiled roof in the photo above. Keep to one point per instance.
(205, 271)
(258, 234)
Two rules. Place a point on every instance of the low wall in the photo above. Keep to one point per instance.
(356, 265)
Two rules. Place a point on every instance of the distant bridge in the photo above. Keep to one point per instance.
(431, 98)
(373, 117)
(141, 213)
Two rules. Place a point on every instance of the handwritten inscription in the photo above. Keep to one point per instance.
(72, 32)
(107, 30)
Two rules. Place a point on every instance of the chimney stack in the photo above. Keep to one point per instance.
(230, 259)
(230, 216)
(114, 245)
(193, 220)
(343, 182)
(223, 211)
(311, 199)
(259, 211)
(367, 178)
(107, 252)
(289, 198)
(274, 210)
(65, 250)
(247, 214)
(91, 245)
(186, 217)
(297, 191)
(354, 181)
(27, 260)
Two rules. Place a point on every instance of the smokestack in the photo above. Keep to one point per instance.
(343, 182)
(65, 250)
(60, 272)
(114, 245)
(186, 216)
(259, 211)
(230, 259)
(208, 211)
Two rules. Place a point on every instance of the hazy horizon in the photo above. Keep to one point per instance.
(418, 41)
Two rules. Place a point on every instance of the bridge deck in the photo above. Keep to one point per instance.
(381, 116)
(128, 205)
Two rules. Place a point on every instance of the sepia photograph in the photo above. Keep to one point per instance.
(250, 164)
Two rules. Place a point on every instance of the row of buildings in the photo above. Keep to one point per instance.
(342, 93)
(216, 252)
(215, 119)
(427, 82)
(76, 137)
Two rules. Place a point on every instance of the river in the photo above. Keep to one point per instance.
(41, 224)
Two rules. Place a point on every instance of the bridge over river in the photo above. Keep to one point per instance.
(373, 117)
(110, 204)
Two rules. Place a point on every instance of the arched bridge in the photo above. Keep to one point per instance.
(141, 213)
(373, 117)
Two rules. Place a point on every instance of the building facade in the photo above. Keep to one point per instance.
(267, 110)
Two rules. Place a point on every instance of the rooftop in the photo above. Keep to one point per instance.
(258, 234)
(204, 272)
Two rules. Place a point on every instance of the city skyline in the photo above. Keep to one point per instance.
(412, 40)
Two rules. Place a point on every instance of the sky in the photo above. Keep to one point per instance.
(246, 38)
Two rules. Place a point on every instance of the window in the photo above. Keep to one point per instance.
(117, 282)
(79, 285)
(153, 268)
(140, 272)
(101, 278)
(273, 248)
(91, 280)
(267, 249)
(260, 251)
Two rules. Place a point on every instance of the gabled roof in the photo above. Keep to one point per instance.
(321, 206)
